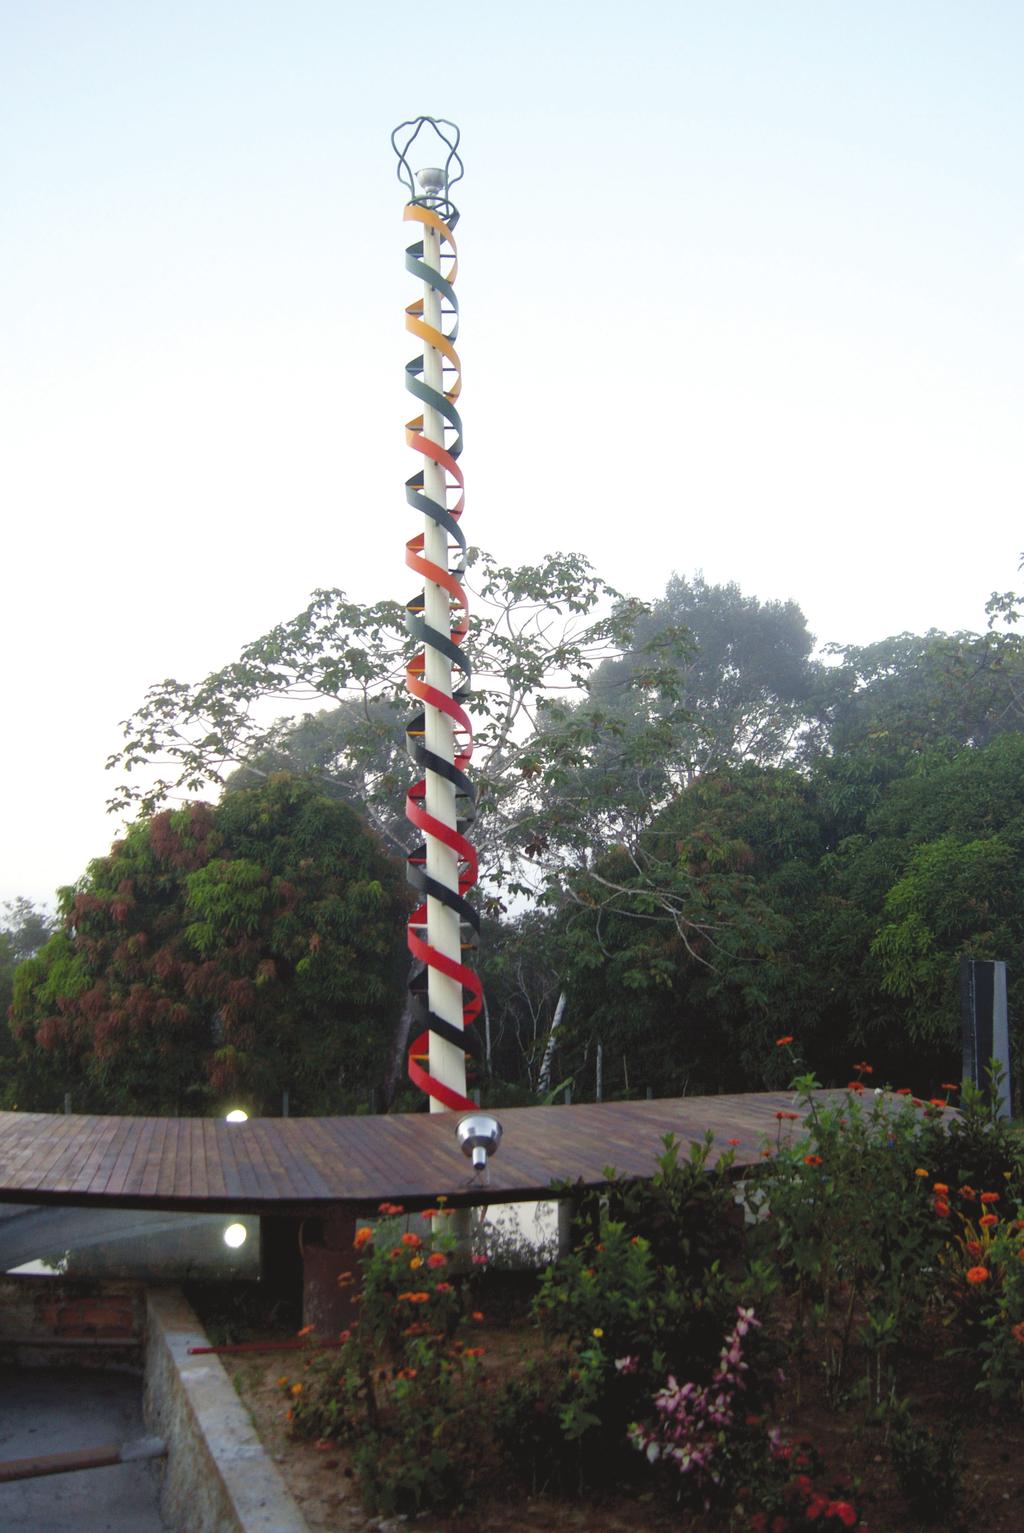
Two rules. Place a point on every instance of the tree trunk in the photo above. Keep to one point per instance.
(544, 1076)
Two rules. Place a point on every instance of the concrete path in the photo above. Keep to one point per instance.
(52, 1411)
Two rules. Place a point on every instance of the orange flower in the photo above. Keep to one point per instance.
(936, 1102)
(990, 1197)
(941, 1208)
(855, 1085)
(781, 1043)
(920, 1171)
(941, 1189)
(864, 1068)
(406, 1373)
(734, 1142)
(296, 1389)
(1017, 1332)
(787, 1117)
(902, 1091)
(390, 1209)
(477, 1315)
(411, 1240)
(436, 1259)
(976, 1275)
(282, 1381)
(442, 1288)
(951, 1085)
(973, 1247)
(306, 1331)
(813, 1160)
(344, 1335)
(988, 1220)
(473, 1352)
(968, 1192)
(417, 1261)
(430, 1213)
(413, 1298)
(362, 1236)
(345, 1279)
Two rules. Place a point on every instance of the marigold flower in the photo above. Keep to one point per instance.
(345, 1279)
(413, 1298)
(990, 1197)
(813, 1160)
(437, 1259)
(411, 1240)
(941, 1189)
(864, 1068)
(417, 1261)
(976, 1275)
(296, 1389)
(406, 1373)
(289, 1415)
(282, 1382)
(920, 1171)
(781, 1043)
(936, 1102)
(362, 1236)
(988, 1220)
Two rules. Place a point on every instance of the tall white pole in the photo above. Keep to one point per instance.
(446, 1062)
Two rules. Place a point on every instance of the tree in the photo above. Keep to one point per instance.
(24, 931)
(540, 633)
(220, 953)
(681, 950)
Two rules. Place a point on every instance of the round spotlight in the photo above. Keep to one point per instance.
(235, 1235)
(236, 1115)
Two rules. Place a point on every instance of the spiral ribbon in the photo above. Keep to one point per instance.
(425, 957)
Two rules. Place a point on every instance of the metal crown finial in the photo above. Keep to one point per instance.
(436, 181)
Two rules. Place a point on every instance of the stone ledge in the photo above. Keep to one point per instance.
(218, 1477)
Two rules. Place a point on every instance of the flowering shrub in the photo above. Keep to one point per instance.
(404, 1388)
(690, 1429)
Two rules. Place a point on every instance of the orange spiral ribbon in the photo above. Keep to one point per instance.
(449, 644)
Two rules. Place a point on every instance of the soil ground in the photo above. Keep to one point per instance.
(992, 1454)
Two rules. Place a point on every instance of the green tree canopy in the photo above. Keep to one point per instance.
(220, 954)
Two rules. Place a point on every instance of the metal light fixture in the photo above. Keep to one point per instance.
(479, 1135)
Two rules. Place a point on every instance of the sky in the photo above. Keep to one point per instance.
(741, 289)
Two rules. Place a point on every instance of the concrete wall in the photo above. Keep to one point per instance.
(217, 1479)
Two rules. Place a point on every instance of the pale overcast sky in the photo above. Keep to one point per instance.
(741, 291)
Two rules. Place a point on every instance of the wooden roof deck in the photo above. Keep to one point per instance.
(286, 1165)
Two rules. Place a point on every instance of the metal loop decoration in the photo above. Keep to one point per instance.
(435, 212)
